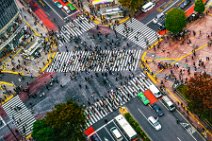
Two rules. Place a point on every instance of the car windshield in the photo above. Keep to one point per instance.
(156, 123)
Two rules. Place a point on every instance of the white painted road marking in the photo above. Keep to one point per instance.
(164, 10)
(142, 113)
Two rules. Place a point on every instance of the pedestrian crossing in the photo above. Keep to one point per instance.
(114, 100)
(97, 61)
(75, 28)
(137, 32)
(21, 116)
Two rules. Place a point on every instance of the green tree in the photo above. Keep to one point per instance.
(175, 20)
(199, 94)
(42, 132)
(131, 5)
(199, 6)
(68, 121)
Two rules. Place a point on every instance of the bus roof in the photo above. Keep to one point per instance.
(129, 131)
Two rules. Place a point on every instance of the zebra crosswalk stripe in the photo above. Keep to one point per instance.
(116, 99)
(81, 60)
(139, 31)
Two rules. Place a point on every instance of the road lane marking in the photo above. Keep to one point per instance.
(53, 10)
(163, 11)
(99, 137)
(170, 6)
(178, 138)
(120, 130)
(142, 113)
(109, 133)
(101, 127)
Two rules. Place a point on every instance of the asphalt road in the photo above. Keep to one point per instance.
(162, 6)
(171, 131)
(16, 79)
(56, 15)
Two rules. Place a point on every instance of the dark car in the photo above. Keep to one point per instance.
(161, 25)
(94, 138)
(185, 4)
(157, 110)
(65, 1)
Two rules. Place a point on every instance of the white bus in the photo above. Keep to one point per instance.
(126, 127)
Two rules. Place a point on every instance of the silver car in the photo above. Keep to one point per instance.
(154, 122)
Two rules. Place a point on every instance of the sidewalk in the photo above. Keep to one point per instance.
(30, 21)
(16, 64)
(171, 56)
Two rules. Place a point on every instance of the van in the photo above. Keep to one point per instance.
(66, 9)
(155, 91)
(168, 103)
(148, 6)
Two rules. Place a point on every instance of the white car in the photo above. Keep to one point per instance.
(158, 18)
(155, 91)
(154, 122)
(115, 132)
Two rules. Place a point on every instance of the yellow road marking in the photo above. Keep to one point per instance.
(184, 56)
(48, 63)
(166, 59)
(6, 83)
(180, 3)
(12, 72)
(152, 78)
(29, 136)
(159, 72)
(35, 32)
(7, 98)
(17, 52)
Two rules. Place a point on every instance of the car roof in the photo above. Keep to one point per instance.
(160, 15)
(116, 133)
(151, 118)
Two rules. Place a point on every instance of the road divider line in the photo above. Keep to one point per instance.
(109, 133)
(170, 6)
(101, 127)
(142, 113)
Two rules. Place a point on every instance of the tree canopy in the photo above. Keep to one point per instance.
(199, 94)
(175, 20)
(199, 6)
(131, 5)
(66, 122)
(42, 132)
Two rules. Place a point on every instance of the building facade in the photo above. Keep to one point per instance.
(11, 26)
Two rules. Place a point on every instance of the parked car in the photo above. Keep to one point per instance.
(58, 4)
(161, 25)
(94, 138)
(148, 6)
(159, 17)
(158, 110)
(154, 122)
(116, 134)
(185, 4)
(143, 98)
(168, 103)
